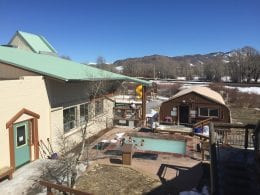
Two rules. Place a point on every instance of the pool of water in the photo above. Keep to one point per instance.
(160, 145)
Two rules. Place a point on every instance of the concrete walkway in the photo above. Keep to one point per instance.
(23, 178)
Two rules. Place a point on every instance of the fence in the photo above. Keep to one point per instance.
(235, 135)
(60, 188)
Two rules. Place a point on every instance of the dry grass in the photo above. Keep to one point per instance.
(109, 179)
(245, 115)
(236, 98)
(244, 107)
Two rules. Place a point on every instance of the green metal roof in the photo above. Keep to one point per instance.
(36, 42)
(58, 68)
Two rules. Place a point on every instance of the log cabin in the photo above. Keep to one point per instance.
(194, 104)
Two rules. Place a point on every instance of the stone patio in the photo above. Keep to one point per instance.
(183, 171)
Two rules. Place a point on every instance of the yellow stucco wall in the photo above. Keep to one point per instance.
(47, 98)
(29, 93)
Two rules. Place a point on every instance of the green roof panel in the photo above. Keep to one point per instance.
(36, 42)
(57, 67)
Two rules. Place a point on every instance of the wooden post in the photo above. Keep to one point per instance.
(49, 192)
(36, 139)
(11, 146)
(257, 138)
(61, 188)
(213, 158)
(143, 104)
(246, 138)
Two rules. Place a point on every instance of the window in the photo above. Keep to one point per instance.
(204, 111)
(84, 113)
(91, 111)
(213, 112)
(208, 112)
(69, 118)
(98, 107)
(20, 136)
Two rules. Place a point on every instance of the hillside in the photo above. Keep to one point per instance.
(187, 65)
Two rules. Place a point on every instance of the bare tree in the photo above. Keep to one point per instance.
(73, 156)
(65, 57)
(100, 60)
(244, 65)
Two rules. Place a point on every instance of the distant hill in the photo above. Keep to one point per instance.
(171, 67)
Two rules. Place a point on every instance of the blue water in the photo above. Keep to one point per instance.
(160, 145)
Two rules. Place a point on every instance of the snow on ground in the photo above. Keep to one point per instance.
(201, 62)
(226, 78)
(120, 68)
(225, 61)
(249, 90)
(188, 85)
(23, 178)
(181, 78)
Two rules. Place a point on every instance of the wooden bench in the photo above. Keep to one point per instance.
(6, 172)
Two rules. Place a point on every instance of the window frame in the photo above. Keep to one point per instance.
(86, 114)
(75, 119)
(96, 103)
(208, 109)
(25, 137)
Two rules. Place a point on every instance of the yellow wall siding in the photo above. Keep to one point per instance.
(29, 93)
(46, 97)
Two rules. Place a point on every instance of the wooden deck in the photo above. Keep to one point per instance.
(233, 158)
(237, 172)
(6, 172)
(173, 129)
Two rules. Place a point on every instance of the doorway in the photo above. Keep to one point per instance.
(21, 143)
(184, 114)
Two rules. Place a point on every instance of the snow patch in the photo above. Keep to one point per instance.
(92, 63)
(226, 78)
(201, 62)
(249, 90)
(119, 68)
(225, 61)
(181, 78)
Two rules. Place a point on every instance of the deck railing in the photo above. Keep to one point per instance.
(127, 113)
(235, 135)
(61, 188)
(202, 123)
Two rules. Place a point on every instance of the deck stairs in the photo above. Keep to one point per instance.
(237, 173)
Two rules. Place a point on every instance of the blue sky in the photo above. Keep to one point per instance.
(118, 29)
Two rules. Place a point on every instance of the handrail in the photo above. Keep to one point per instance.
(202, 123)
(61, 188)
(234, 125)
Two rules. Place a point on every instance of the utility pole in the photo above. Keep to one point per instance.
(154, 71)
